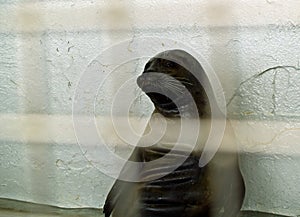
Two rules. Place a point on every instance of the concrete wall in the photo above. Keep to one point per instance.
(47, 45)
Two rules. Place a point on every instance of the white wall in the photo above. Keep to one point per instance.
(47, 45)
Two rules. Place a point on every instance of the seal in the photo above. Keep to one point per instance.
(171, 64)
(188, 190)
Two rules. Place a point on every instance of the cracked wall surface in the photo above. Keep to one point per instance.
(44, 53)
(271, 93)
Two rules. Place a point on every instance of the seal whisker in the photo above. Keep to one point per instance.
(171, 82)
(184, 81)
(174, 82)
(175, 89)
(172, 88)
(179, 81)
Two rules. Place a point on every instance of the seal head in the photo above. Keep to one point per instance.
(166, 79)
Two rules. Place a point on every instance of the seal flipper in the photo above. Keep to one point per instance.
(236, 194)
(228, 185)
(122, 200)
(112, 198)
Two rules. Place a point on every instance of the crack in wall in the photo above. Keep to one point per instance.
(255, 76)
(274, 93)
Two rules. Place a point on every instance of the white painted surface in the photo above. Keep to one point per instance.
(82, 15)
(269, 162)
(45, 46)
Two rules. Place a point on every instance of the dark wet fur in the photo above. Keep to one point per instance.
(183, 76)
(215, 190)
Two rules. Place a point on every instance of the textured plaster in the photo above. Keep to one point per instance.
(44, 48)
(269, 162)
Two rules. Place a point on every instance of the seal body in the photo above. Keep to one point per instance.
(216, 189)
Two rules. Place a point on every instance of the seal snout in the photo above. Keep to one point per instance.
(141, 80)
(145, 81)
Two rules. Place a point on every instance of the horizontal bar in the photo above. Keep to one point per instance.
(250, 135)
(105, 15)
